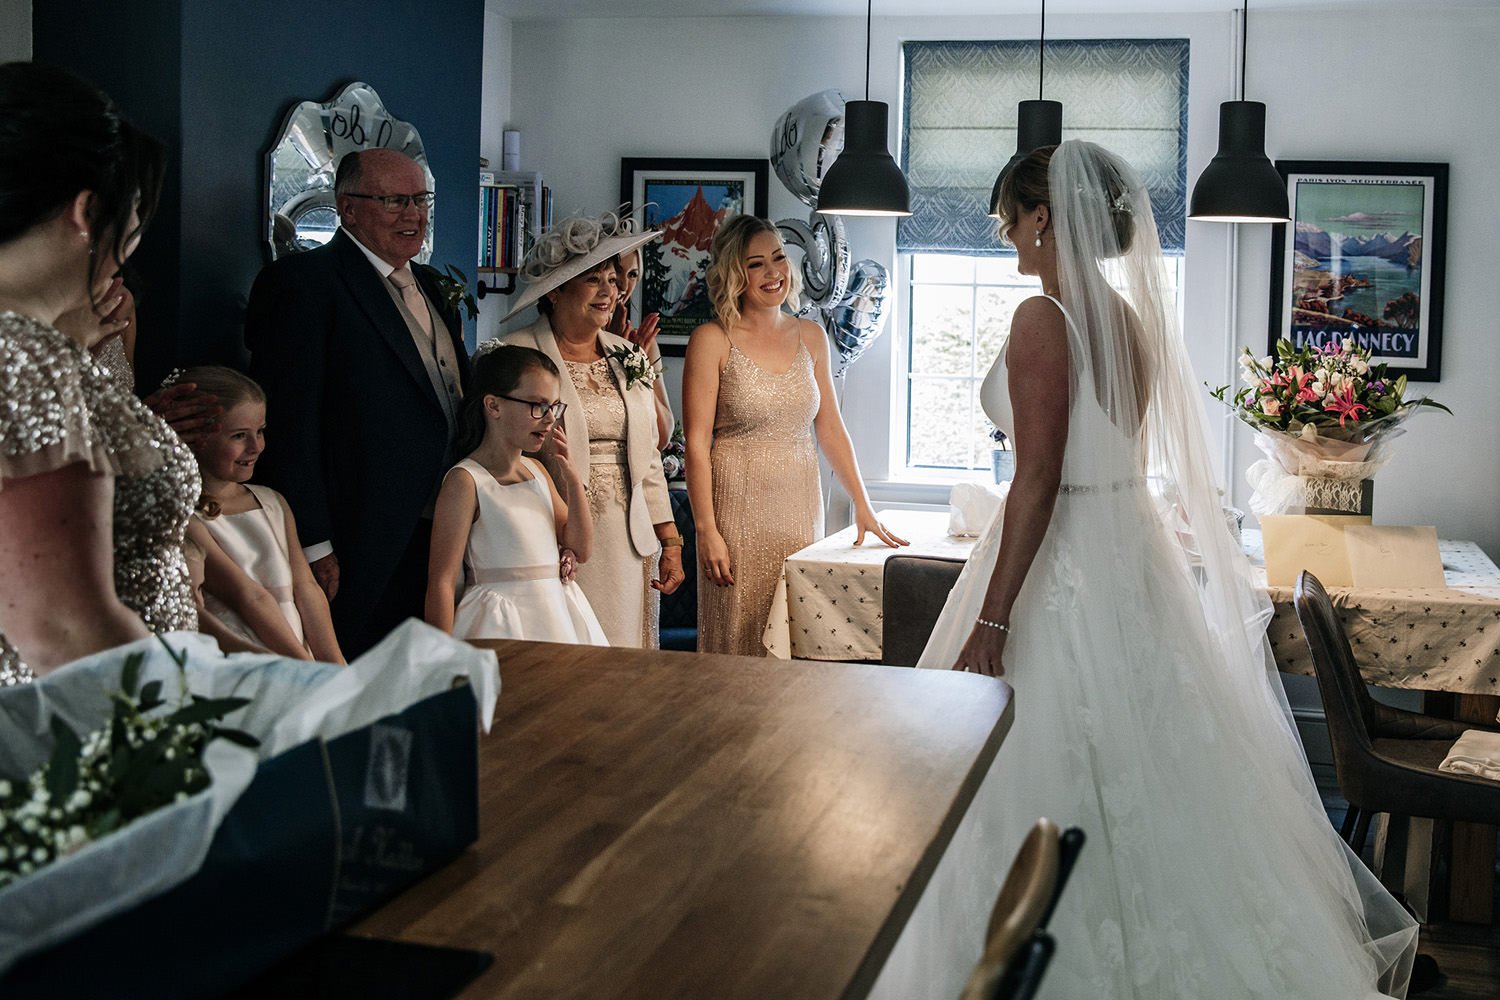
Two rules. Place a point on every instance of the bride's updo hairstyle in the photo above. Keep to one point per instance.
(60, 136)
(726, 268)
(1028, 185)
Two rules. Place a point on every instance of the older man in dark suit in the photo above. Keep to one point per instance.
(364, 365)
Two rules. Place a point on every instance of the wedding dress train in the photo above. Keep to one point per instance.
(1211, 870)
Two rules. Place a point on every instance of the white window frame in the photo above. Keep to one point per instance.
(900, 472)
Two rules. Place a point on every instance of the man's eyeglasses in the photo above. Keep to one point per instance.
(539, 409)
(394, 203)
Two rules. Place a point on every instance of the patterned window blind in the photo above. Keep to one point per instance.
(1129, 95)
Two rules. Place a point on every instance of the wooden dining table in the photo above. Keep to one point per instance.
(657, 824)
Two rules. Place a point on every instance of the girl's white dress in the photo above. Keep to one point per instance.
(511, 585)
(1211, 870)
(256, 540)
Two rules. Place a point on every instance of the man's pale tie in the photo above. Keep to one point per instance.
(406, 284)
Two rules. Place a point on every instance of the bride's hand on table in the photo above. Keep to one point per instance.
(983, 651)
(866, 521)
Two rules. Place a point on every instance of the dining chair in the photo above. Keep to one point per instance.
(913, 591)
(1017, 945)
(1386, 759)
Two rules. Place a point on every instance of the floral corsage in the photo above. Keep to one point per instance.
(638, 368)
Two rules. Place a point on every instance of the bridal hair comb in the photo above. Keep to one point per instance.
(173, 377)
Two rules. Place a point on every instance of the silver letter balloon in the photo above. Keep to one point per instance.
(849, 303)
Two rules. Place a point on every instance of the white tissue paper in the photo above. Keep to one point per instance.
(291, 701)
(972, 506)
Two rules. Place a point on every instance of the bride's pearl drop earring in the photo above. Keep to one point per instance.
(1038, 242)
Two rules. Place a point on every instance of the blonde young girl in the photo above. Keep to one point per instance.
(256, 580)
(499, 519)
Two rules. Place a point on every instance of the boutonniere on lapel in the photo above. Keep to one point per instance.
(453, 287)
(638, 368)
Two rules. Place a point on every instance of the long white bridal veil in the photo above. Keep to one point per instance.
(1127, 350)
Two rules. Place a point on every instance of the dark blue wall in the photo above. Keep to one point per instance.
(214, 80)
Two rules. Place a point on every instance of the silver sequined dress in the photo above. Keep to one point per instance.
(57, 407)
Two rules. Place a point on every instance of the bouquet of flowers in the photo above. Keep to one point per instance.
(140, 761)
(1323, 416)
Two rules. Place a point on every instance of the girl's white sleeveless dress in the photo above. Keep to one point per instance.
(1211, 869)
(511, 585)
(256, 540)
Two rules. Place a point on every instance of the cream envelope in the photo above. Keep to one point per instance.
(1312, 542)
(1392, 555)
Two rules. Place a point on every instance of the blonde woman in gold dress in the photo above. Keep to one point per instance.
(758, 401)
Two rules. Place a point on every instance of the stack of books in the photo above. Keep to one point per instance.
(514, 207)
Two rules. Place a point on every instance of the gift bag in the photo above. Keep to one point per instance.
(351, 803)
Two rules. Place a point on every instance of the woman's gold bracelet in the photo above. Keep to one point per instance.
(989, 624)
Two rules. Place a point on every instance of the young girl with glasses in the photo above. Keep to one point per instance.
(499, 521)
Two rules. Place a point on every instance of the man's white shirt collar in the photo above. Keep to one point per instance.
(382, 266)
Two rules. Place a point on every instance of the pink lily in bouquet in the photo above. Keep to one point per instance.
(1345, 405)
(1323, 417)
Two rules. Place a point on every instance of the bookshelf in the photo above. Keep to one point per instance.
(514, 206)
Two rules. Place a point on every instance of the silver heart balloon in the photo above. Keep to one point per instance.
(825, 258)
(806, 140)
(858, 318)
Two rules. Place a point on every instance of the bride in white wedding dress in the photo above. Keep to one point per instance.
(1112, 596)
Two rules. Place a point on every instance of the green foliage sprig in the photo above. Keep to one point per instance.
(453, 285)
(146, 757)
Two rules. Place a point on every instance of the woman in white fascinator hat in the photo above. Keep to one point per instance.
(610, 421)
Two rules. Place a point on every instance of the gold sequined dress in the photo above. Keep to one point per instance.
(768, 500)
(616, 580)
(58, 407)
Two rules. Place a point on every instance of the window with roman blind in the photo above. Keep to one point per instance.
(959, 128)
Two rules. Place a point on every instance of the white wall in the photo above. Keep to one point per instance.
(1383, 85)
(494, 119)
(15, 30)
(1420, 85)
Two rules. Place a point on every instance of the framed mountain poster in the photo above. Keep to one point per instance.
(686, 200)
(1362, 260)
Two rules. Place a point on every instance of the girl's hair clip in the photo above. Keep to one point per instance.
(488, 347)
(173, 377)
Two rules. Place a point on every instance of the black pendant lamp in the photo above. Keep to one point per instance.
(1038, 122)
(864, 180)
(1240, 184)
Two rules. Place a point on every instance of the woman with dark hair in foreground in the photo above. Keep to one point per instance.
(95, 490)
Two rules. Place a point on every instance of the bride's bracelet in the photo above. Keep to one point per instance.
(989, 624)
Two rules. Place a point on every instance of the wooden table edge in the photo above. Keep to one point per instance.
(885, 940)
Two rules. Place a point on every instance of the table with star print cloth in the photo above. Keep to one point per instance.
(828, 602)
(1423, 640)
(828, 607)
